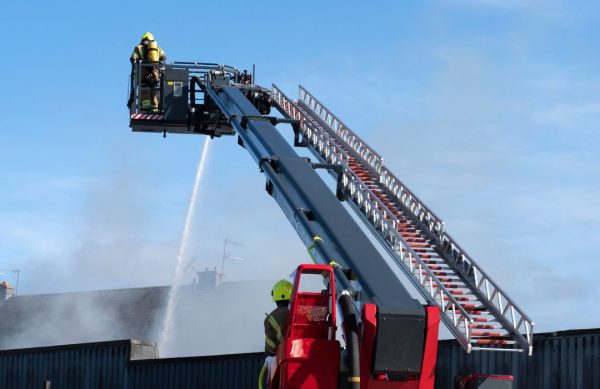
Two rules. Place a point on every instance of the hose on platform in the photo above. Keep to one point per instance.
(350, 328)
(261, 377)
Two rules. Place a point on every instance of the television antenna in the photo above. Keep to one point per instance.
(227, 256)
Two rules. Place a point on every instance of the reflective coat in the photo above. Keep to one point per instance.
(275, 323)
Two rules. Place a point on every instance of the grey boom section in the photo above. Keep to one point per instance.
(304, 189)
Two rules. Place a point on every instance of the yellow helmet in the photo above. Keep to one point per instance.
(148, 36)
(282, 290)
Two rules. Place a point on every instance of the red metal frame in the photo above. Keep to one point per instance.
(471, 381)
(474, 377)
(311, 299)
(427, 378)
(310, 356)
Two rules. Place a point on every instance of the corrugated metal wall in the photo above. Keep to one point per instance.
(92, 365)
(565, 360)
(226, 371)
(121, 365)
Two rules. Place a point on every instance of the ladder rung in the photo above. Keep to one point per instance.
(419, 250)
(486, 333)
(435, 268)
(476, 312)
(421, 255)
(460, 298)
(485, 326)
(439, 273)
(409, 234)
(419, 245)
(416, 240)
(428, 261)
(491, 341)
(428, 256)
(448, 286)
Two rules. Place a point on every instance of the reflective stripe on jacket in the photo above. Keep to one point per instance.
(275, 324)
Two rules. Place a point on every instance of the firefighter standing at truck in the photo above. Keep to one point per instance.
(275, 323)
(149, 53)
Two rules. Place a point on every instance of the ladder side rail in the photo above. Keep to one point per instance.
(509, 307)
(430, 287)
(368, 201)
(516, 326)
(361, 157)
(421, 213)
(414, 205)
(349, 137)
(364, 201)
(490, 292)
(417, 212)
(334, 154)
(327, 150)
(423, 225)
(322, 146)
(454, 316)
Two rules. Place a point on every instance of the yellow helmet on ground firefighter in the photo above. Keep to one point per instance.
(282, 290)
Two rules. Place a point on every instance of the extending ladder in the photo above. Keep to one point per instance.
(473, 307)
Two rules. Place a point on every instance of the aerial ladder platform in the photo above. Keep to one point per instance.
(391, 338)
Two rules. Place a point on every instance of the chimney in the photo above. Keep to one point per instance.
(207, 279)
(6, 291)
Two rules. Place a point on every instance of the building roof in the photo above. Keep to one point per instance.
(226, 319)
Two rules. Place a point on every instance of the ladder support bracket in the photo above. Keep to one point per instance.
(339, 170)
(299, 139)
(271, 119)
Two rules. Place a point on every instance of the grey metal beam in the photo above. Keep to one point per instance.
(314, 210)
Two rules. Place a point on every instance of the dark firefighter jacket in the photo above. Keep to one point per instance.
(140, 53)
(275, 324)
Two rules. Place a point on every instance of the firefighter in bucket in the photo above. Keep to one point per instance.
(150, 55)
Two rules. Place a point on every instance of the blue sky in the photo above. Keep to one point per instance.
(488, 110)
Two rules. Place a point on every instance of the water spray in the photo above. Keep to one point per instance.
(167, 326)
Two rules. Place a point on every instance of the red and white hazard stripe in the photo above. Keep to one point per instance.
(146, 116)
